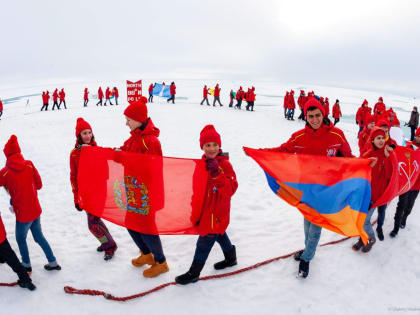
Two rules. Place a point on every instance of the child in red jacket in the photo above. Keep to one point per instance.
(7, 255)
(381, 175)
(21, 179)
(96, 226)
(214, 219)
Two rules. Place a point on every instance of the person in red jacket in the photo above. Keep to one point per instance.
(100, 96)
(392, 117)
(85, 137)
(336, 111)
(144, 139)
(217, 95)
(407, 200)
(55, 99)
(205, 95)
(85, 97)
(108, 96)
(62, 96)
(1, 108)
(361, 115)
(301, 102)
(365, 134)
(379, 107)
(116, 94)
(286, 103)
(239, 97)
(151, 87)
(327, 107)
(381, 175)
(214, 218)
(251, 99)
(21, 179)
(319, 137)
(291, 106)
(232, 97)
(8, 255)
(44, 101)
(172, 91)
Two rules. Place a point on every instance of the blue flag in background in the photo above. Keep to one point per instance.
(161, 90)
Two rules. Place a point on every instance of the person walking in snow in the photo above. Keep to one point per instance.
(116, 94)
(144, 140)
(62, 96)
(217, 95)
(365, 134)
(1, 108)
(85, 137)
(151, 87)
(108, 96)
(55, 99)
(239, 96)
(291, 106)
(8, 256)
(100, 96)
(319, 137)
(362, 114)
(213, 220)
(205, 95)
(45, 100)
(413, 123)
(172, 91)
(336, 111)
(85, 97)
(232, 97)
(286, 103)
(21, 180)
(301, 102)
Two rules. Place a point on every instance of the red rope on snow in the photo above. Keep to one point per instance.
(8, 284)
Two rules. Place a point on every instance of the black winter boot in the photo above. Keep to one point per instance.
(230, 260)
(303, 269)
(369, 245)
(297, 255)
(358, 245)
(403, 222)
(27, 284)
(380, 233)
(191, 275)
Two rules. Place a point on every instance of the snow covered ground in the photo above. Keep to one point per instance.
(262, 226)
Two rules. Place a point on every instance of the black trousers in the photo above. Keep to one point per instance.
(405, 205)
(238, 104)
(8, 256)
(85, 103)
(413, 132)
(45, 106)
(108, 100)
(336, 120)
(55, 104)
(172, 98)
(150, 98)
(217, 99)
(205, 99)
(100, 102)
(62, 102)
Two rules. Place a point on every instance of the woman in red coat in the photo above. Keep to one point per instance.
(205, 95)
(108, 96)
(214, 218)
(85, 137)
(172, 91)
(21, 179)
(85, 97)
(100, 96)
(336, 112)
(116, 94)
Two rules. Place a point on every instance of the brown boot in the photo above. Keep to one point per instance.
(143, 260)
(156, 270)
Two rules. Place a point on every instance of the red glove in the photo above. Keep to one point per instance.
(212, 166)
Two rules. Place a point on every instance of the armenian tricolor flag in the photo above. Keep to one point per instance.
(331, 192)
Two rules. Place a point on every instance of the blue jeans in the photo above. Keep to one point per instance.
(312, 236)
(290, 113)
(367, 226)
(205, 244)
(21, 234)
(381, 215)
(148, 243)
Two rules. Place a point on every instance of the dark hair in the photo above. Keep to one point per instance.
(80, 141)
(312, 108)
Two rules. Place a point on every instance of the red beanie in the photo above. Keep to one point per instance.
(381, 99)
(12, 146)
(417, 132)
(137, 110)
(81, 125)
(365, 102)
(312, 102)
(376, 131)
(383, 122)
(370, 119)
(209, 134)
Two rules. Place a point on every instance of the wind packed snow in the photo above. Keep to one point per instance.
(262, 225)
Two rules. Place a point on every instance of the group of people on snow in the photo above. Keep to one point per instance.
(56, 95)
(109, 94)
(172, 92)
(240, 95)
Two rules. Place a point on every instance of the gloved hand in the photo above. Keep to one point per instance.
(76, 205)
(212, 166)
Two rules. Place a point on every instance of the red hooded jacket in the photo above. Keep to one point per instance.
(100, 93)
(150, 88)
(116, 93)
(286, 100)
(379, 107)
(85, 96)
(240, 94)
(62, 95)
(172, 89)
(55, 95)
(216, 91)
(1, 106)
(107, 93)
(215, 213)
(326, 140)
(2, 231)
(144, 141)
(336, 111)
(302, 100)
(291, 101)
(22, 181)
(205, 91)
(361, 115)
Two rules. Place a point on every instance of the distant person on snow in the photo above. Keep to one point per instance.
(85, 137)
(205, 95)
(100, 96)
(85, 97)
(1, 108)
(286, 103)
(108, 96)
(21, 180)
(250, 99)
(336, 112)
(116, 94)
(413, 123)
(327, 107)
(301, 102)
(319, 137)
(365, 134)
(217, 95)
(172, 91)
(379, 107)
(291, 106)
(232, 97)
(7, 255)
(221, 185)
(151, 87)
(55, 99)
(239, 96)
(362, 114)
(62, 96)
(44, 104)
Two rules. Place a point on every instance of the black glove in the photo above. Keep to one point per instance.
(76, 205)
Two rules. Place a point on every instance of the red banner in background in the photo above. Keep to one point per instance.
(145, 193)
(134, 91)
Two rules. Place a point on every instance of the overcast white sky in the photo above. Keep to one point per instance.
(356, 42)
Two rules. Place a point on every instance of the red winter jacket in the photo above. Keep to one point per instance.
(327, 108)
(22, 181)
(100, 94)
(2, 231)
(215, 213)
(251, 95)
(361, 115)
(326, 140)
(85, 96)
(216, 91)
(1, 106)
(150, 88)
(44, 99)
(286, 100)
(62, 95)
(172, 89)
(107, 94)
(413, 145)
(302, 100)
(205, 92)
(239, 94)
(336, 111)
(116, 93)
(381, 172)
(55, 96)
(291, 102)
(368, 145)
(363, 138)
(144, 141)
(47, 97)
(74, 167)
(379, 107)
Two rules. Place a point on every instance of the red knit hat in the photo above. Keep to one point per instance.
(81, 125)
(365, 102)
(376, 131)
(370, 119)
(417, 132)
(12, 146)
(137, 110)
(209, 134)
(312, 102)
(383, 122)
(381, 99)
